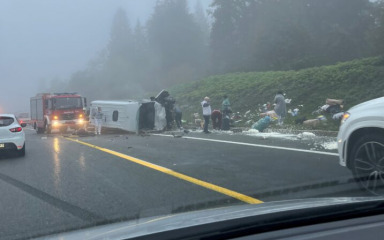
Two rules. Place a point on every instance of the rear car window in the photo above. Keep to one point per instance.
(6, 121)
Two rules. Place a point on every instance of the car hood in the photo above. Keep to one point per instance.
(149, 226)
(374, 103)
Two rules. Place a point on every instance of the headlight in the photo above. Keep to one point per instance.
(55, 117)
(55, 123)
(81, 121)
(345, 117)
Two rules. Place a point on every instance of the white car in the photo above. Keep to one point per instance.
(361, 144)
(12, 136)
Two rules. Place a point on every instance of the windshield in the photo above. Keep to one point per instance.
(136, 110)
(67, 103)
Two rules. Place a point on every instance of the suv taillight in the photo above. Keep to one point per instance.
(15, 130)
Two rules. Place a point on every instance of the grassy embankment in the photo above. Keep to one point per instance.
(355, 81)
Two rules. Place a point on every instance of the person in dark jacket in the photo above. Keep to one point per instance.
(178, 115)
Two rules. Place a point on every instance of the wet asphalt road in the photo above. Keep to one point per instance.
(61, 185)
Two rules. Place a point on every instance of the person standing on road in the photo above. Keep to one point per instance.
(98, 121)
(178, 116)
(225, 105)
(226, 111)
(280, 107)
(206, 113)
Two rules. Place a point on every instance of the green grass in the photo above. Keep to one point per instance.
(355, 81)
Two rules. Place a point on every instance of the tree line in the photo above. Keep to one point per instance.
(176, 46)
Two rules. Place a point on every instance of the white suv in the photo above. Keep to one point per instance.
(12, 137)
(361, 144)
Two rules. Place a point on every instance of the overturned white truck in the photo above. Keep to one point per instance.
(132, 116)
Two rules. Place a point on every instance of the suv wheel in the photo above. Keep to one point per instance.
(367, 163)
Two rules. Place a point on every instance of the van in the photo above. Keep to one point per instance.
(132, 116)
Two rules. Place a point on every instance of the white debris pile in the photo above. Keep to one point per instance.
(330, 145)
(266, 135)
(251, 132)
(222, 132)
(306, 135)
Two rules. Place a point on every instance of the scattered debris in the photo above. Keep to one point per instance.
(300, 120)
(237, 130)
(262, 124)
(306, 135)
(294, 112)
(176, 136)
(338, 116)
(329, 145)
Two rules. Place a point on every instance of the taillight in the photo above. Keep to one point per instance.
(15, 130)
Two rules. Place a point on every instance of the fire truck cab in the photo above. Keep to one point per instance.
(50, 111)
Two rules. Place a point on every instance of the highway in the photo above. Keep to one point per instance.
(67, 182)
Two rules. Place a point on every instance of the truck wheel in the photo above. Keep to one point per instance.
(367, 163)
(39, 130)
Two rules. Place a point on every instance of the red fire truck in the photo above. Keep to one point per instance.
(60, 111)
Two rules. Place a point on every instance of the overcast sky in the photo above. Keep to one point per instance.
(44, 39)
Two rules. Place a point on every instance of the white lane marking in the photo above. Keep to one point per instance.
(255, 145)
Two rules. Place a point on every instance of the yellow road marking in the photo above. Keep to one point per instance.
(184, 177)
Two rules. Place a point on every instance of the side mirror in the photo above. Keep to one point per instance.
(85, 102)
(23, 125)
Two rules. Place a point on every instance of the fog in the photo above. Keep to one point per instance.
(43, 40)
(120, 49)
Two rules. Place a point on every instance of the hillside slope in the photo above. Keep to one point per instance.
(355, 81)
